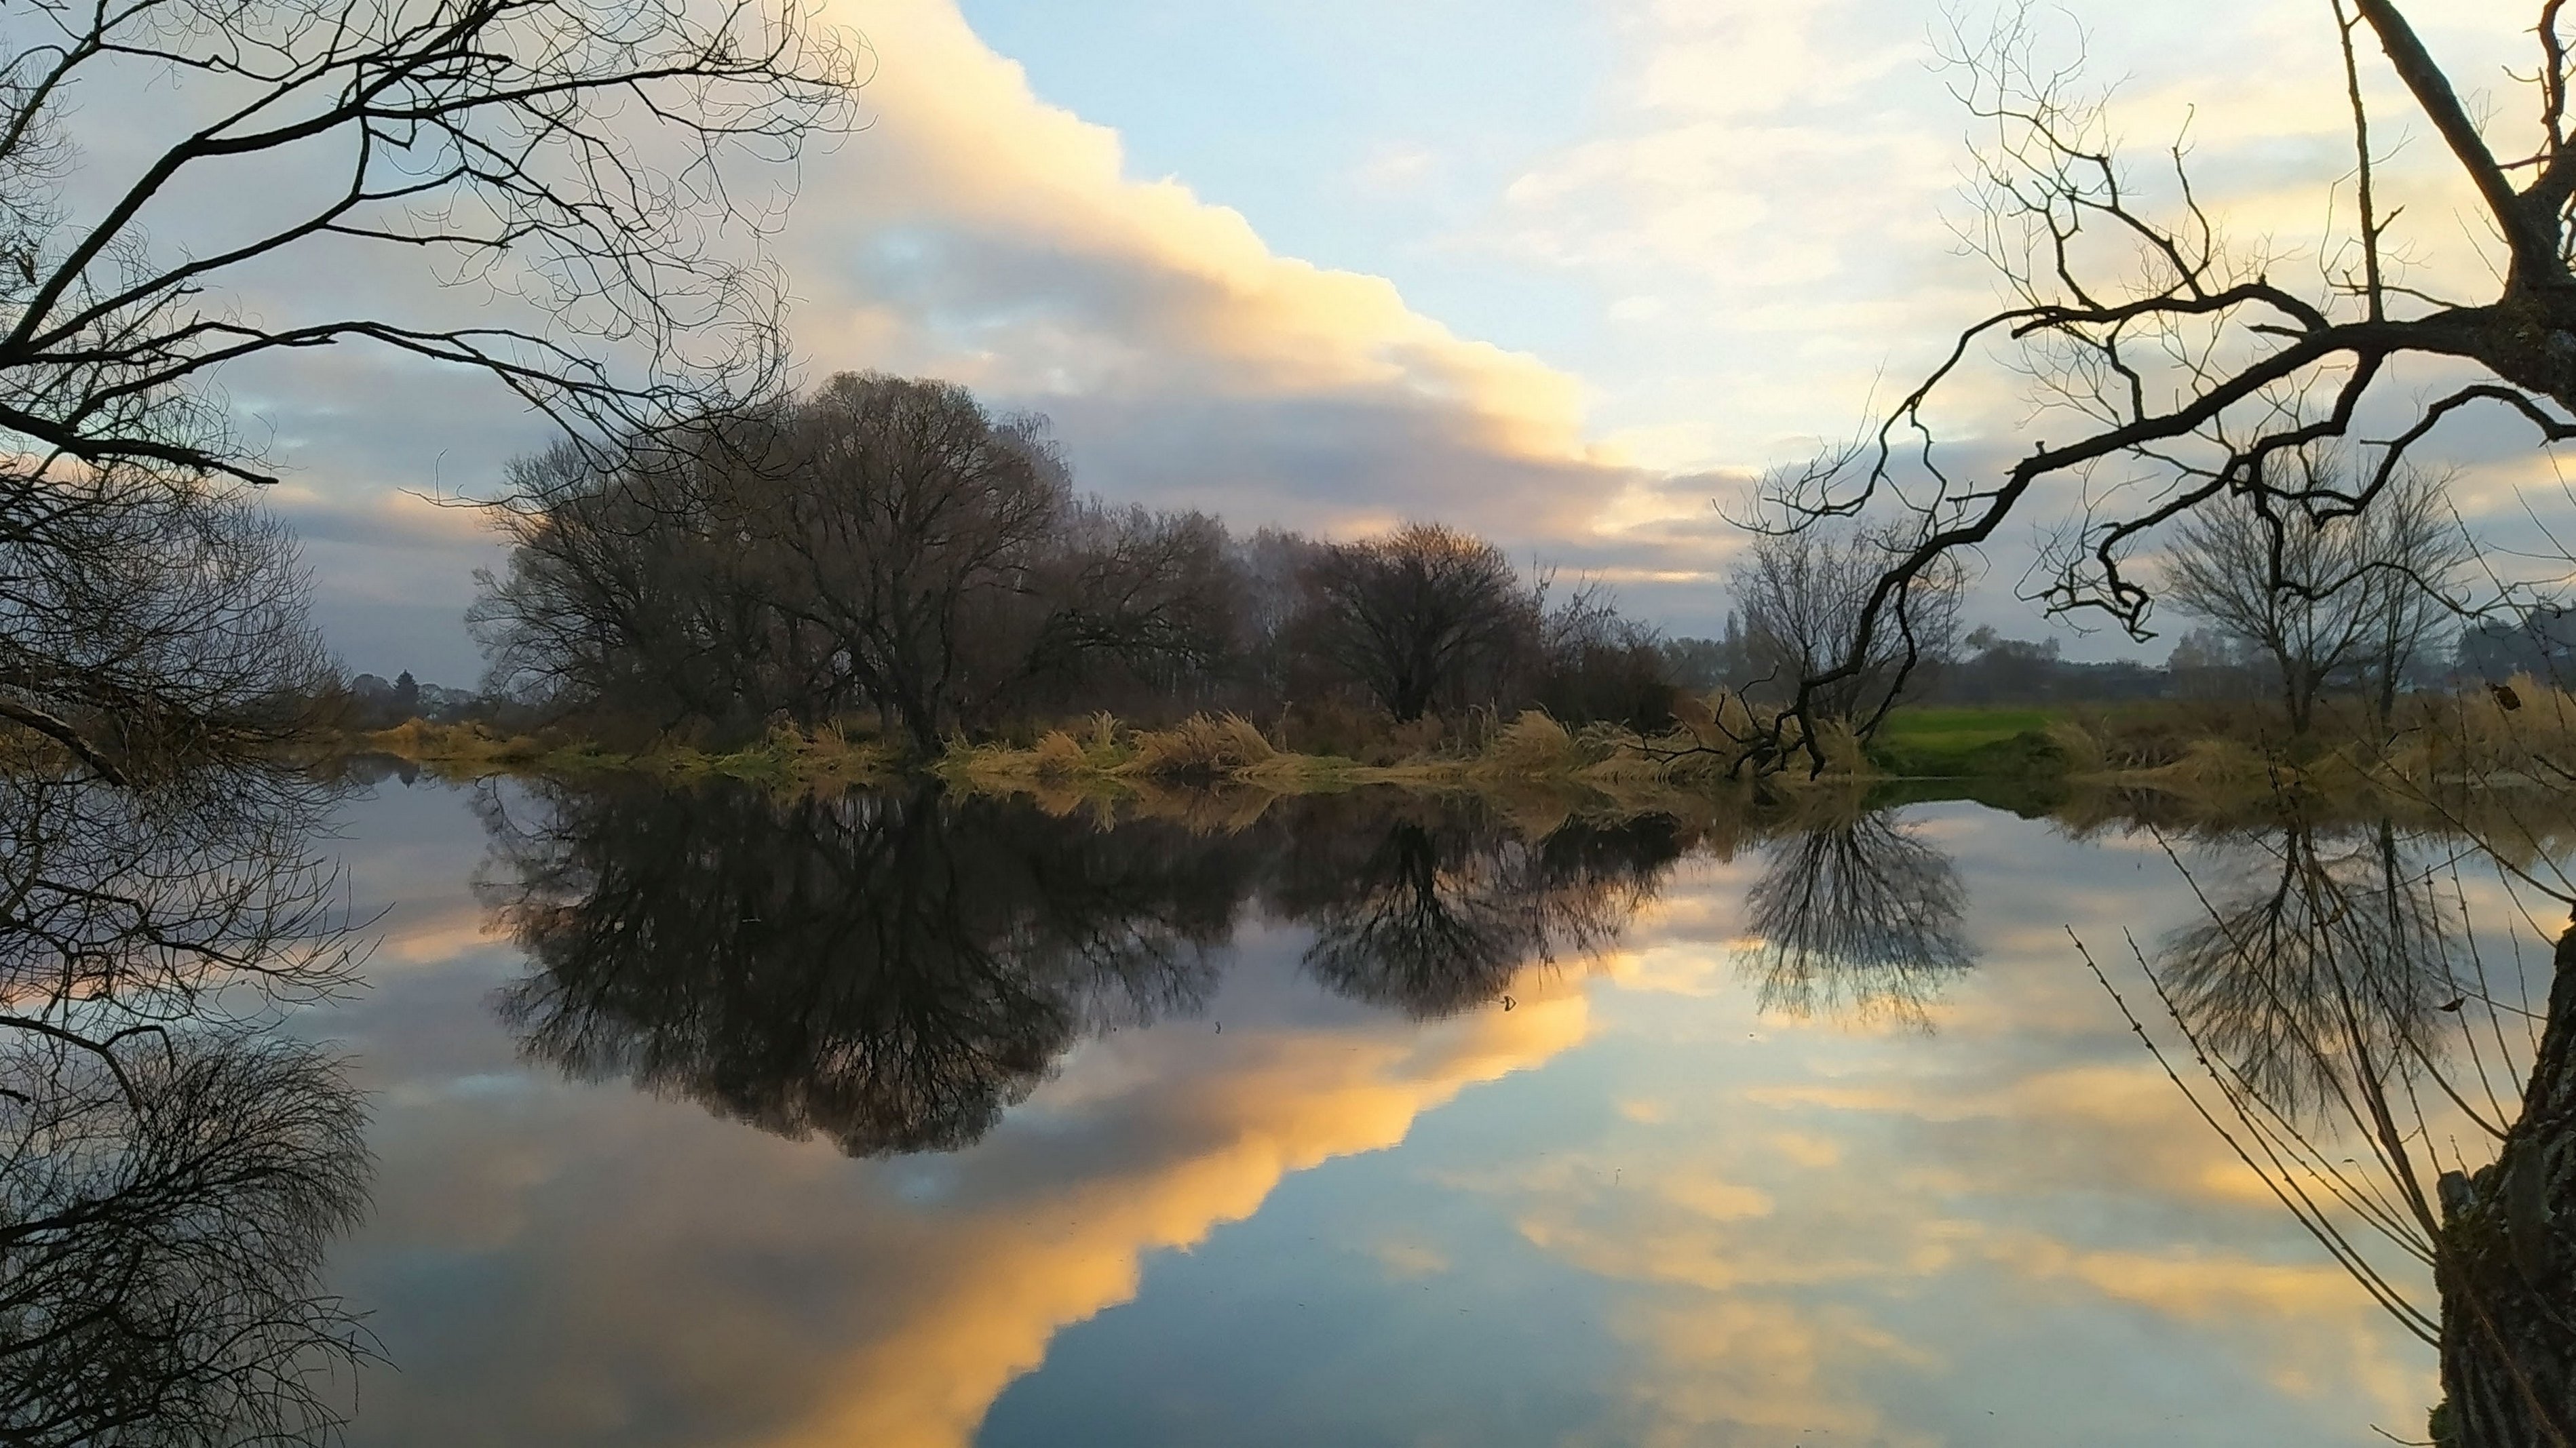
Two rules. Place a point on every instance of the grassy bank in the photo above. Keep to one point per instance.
(2026, 756)
(783, 758)
(1970, 743)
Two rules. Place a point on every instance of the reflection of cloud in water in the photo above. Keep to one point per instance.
(1820, 1233)
(1789, 1232)
(1303, 1100)
(887, 1302)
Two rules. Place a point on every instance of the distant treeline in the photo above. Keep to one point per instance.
(887, 549)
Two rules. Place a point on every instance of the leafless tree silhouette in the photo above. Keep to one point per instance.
(569, 160)
(880, 543)
(1801, 597)
(170, 1170)
(2190, 368)
(2397, 1093)
(2351, 599)
(1421, 617)
(1859, 914)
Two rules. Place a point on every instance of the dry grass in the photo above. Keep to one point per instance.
(1532, 746)
(2521, 733)
(1219, 771)
(2463, 764)
(786, 758)
(1201, 747)
(1109, 757)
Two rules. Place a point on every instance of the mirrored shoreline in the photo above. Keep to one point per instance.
(637, 1115)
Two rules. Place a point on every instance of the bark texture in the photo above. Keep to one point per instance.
(2507, 1265)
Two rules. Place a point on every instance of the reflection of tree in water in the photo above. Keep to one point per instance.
(2327, 962)
(170, 1172)
(2355, 1050)
(1860, 916)
(894, 971)
(890, 970)
(1433, 916)
(2505, 1262)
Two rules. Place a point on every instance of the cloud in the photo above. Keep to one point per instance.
(1393, 167)
(974, 232)
(979, 233)
(885, 1302)
(1821, 1231)
(1750, 237)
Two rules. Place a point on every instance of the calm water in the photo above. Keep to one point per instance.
(697, 1119)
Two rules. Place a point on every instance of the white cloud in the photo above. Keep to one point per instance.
(1755, 218)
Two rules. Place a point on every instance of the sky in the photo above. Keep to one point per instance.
(1568, 272)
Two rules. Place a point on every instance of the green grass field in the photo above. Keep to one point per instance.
(1953, 742)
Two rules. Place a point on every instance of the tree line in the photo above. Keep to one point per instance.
(891, 547)
(891, 970)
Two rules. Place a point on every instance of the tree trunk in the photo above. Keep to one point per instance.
(2506, 1266)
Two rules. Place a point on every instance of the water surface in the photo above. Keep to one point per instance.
(705, 1119)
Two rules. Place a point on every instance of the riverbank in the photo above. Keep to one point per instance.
(2023, 758)
(782, 758)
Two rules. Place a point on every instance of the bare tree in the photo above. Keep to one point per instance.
(2349, 598)
(2186, 368)
(170, 1171)
(631, 587)
(139, 621)
(2288, 595)
(1803, 599)
(882, 543)
(569, 158)
(2414, 554)
(1125, 595)
(910, 522)
(1595, 663)
(1418, 618)
(2393, 1089)
(1858, 914)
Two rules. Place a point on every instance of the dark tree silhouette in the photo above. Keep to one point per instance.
(143, 624)
(891, 971)
(1860, 914)
(1801, 597)
(880, 543)
(2352, 600)
(2187, 367)
(1423, 617)
(566, 158)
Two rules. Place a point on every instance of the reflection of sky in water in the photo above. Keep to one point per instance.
(1630, 1210)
